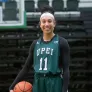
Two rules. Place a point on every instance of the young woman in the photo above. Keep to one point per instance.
(49, 56)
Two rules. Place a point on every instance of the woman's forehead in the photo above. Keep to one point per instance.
(46, 18)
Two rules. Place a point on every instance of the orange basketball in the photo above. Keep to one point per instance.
(23, 86)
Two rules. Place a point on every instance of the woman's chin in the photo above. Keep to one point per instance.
(47, 32)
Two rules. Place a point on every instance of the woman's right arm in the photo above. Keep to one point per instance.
(26, 68)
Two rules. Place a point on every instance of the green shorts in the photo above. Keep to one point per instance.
(47, 83)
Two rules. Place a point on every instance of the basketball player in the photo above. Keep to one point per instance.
(49, 56)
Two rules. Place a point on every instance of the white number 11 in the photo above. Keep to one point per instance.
(45, 67)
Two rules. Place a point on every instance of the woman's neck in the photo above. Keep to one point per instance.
(48, 37)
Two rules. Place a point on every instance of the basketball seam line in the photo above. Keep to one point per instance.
(24, 87)
(20, 88)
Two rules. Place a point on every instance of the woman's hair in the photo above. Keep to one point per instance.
(47, 8)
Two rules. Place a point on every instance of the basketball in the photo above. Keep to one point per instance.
(23, 86)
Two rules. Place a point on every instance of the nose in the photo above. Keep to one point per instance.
(46, 24)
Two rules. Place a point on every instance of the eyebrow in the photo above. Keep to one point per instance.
(48, 19)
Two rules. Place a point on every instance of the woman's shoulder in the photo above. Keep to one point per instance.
(62, 39)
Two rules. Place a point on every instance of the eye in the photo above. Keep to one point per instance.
(49, 21)
(43, 21)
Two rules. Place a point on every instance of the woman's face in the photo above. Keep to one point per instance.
(47, 24)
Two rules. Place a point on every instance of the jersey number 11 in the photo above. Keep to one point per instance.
(45, 66)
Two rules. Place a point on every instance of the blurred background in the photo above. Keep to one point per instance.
(19, 27)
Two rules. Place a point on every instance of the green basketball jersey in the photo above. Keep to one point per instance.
(46, 56)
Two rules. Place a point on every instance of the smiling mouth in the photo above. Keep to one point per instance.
(47, 29)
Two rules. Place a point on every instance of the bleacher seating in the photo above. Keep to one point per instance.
(58, 6)
(10, 11)
(72, 5)
(15, 43)
(10, 14)
(41, 3)
(11, 4)
(0, 3)
(86, 15)
(29, 5)
(85, 9)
